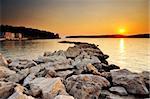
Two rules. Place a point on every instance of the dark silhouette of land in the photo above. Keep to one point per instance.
(112, 36)
(29, 33)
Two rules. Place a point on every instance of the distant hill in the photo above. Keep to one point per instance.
(112, 36)
(29, 32)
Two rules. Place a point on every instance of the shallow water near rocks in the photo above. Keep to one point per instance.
(130, 53)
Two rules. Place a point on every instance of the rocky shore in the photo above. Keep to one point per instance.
(80, 72)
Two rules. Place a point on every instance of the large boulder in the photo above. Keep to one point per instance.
(72, 52)
(49, 87)
(21, 64)
(4, 72)
(18, 94)
(118, 90)
(6, 89)
(58, 56)
(63, 97)
(132, 82)
(3, 61)
(85, 86)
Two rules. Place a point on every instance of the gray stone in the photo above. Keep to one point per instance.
(85, 86)
(72, 52)
(18, 94)
(132, 82)
(105, 94)
(21, 64)
(6, 89)
(5, 72)
(146, 76)
(118, 90)
(17, 77)
(49, 87)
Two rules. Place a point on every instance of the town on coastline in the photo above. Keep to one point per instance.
(22, 33)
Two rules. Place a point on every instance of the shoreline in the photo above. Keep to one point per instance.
(81, 72)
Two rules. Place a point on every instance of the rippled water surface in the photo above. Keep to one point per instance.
(130, 53)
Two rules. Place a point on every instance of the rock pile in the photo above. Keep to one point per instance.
(80, 72)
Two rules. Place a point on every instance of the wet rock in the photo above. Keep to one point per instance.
(19, 93)
(63, 97)
(85, 86)
(109, 67)
(3, 61)
(19, 76)
(72, 52)
(6, 89)
(5, 72)
(49, 87)
(21, 64)
(105, 56)
(118, 90)
(132, 82)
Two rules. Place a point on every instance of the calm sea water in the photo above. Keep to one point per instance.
(130, 53)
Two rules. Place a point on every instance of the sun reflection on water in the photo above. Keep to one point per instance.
(122, 45)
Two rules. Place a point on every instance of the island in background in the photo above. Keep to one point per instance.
(112, 36)
(22, 33)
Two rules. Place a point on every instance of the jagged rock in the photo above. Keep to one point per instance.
(49, 87)
(4, 72)
(64, 74)
(36, 69)
(63, 97)
(3, 61)
(21, 64)
(72, 52)
(146, 76)
(92, 69)
(118, 90)
(107, 68)
(51, 73)
(85, 86)
(58, 65)
(132, 82)
(19, 76)
(19, 93)
(81, 65)
(28, 79)
(53, 58)
(6, 89)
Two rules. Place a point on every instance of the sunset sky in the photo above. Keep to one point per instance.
(78, 17)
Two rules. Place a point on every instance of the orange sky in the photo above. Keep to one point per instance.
(78, 17)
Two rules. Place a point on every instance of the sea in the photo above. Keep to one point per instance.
(128, 53)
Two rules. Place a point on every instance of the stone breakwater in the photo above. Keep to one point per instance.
(80, 72)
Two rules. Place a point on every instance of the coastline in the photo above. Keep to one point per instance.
(74, 71)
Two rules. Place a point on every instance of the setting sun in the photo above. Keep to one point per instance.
(121, 31)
